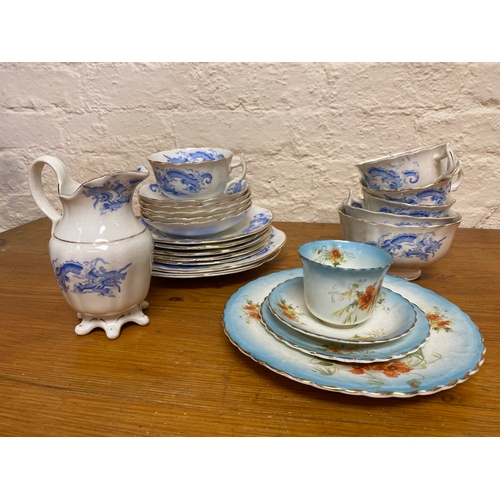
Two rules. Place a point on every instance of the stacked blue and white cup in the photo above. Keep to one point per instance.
(201, 215)
(406, 207)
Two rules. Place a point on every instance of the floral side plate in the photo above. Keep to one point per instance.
(338, 351)
(453, 352)
(392, 318)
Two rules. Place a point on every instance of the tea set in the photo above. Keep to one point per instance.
(344, 322)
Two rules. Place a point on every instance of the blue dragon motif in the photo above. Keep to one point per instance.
(410, 212)
(193, 156)
(259, 220)
(90, 277)
(112, 195)
(436, 196)
(409, 245)
(389, 179)
(180, 182)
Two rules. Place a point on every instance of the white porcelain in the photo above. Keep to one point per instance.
(196, 173)
(376, 204)
(101, 254)
(414, 168)
(397, 220)
(412, 247)
(197, 217)
(204, 228)
(222, 208)
(347, 353)
(342, 279)
(257, 220)
(151, 194)
(272, 249)
(393, 316)
(432, 194)
(454, 351)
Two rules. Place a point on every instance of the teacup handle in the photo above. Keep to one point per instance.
(451, 166)
(354, 201)
(240, 163)
(65, 185)
(458, 176)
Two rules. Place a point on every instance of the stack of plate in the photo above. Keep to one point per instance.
(415, 342)
(196, 238)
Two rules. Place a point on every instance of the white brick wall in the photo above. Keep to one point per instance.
(302, 126)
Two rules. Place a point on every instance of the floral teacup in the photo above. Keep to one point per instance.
(342, 279)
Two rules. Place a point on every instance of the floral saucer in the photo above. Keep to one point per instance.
(392, 318)
(337, 351)
(453, 352)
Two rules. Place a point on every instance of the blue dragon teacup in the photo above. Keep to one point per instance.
(196, 173)
(414, 168)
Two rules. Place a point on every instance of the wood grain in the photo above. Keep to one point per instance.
(180, 375)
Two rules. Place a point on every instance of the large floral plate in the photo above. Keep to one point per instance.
(453, 352)
(337, 351)
(392, 318)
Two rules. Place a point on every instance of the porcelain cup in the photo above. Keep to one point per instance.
(431, 194)
(376, 204)
(414, 168)
(196, 173)
(342, 280)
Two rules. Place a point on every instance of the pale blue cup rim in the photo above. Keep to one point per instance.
(385, 256)
(162, 156)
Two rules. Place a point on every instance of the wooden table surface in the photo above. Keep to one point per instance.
(181, 376)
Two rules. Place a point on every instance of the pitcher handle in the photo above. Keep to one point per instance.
(239, 163)
(65, 185)
(457, 177)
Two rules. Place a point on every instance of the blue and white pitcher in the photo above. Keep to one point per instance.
(100, 252)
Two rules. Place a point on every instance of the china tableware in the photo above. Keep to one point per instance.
(195, 228)
(414, 168)
(257, 219)
(397, 220)
(196, 173)
(101, 254)
(376, 204)
(453, 352)
(432, 194)
(277, 240)
(151, 195)
(342, 279)
(338, 351)
(196, 217)
(412, 247)
(393, 316)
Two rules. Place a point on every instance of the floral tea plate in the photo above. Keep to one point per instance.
(453, 352)
(392, 318)
(337, 351)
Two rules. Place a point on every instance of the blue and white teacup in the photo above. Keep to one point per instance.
(414, 168)
(376, 204)
(431, 194)
(196, 173)
(342, 279)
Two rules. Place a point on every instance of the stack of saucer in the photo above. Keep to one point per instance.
(406, 207)
(198, 231)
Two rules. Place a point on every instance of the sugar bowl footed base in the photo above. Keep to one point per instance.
(112, 324)
(406, 274)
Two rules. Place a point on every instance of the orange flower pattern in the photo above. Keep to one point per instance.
(438, 321)
(391, 369)
(251, 310)
(331, 255)
(288, 310)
